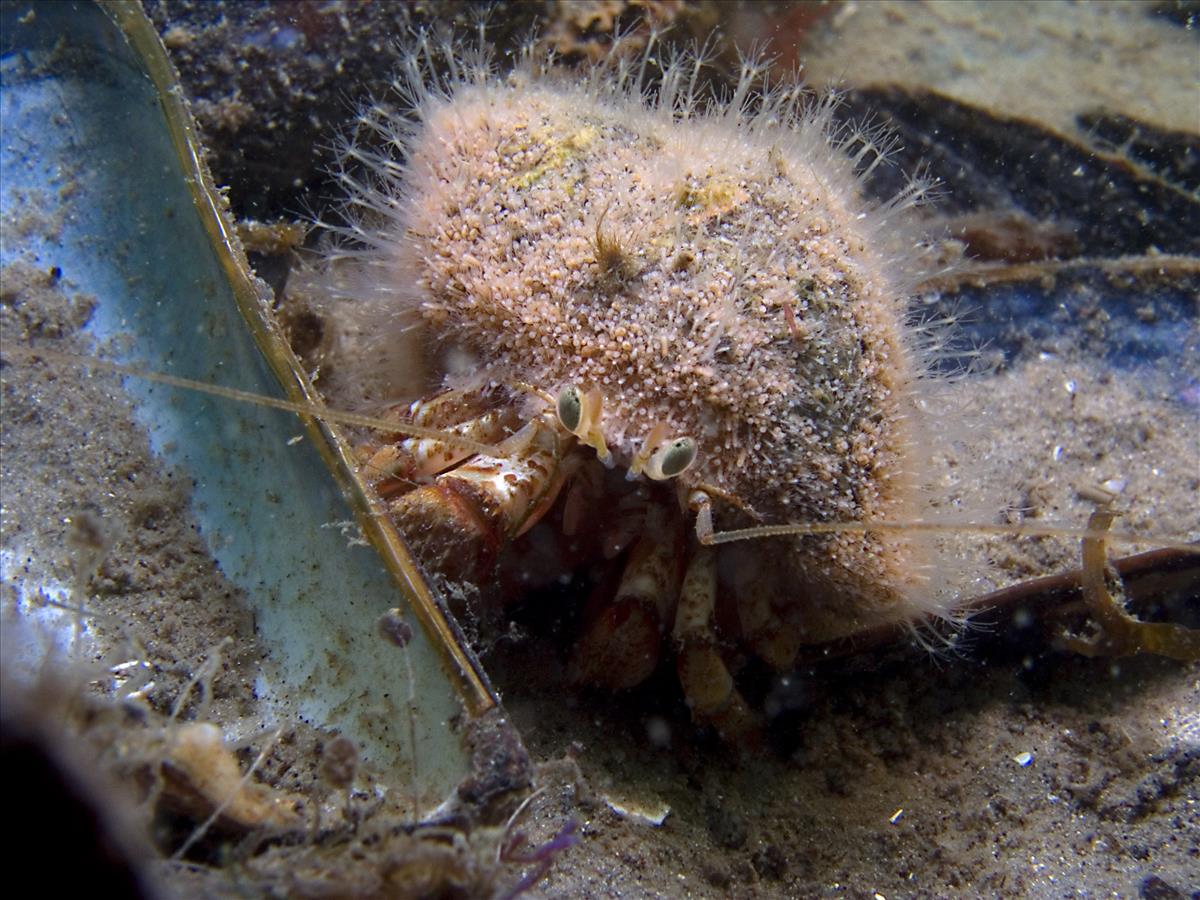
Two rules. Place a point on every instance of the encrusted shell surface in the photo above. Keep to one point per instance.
(713, 273)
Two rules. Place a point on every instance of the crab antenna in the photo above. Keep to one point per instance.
(702, 506)
(316, 410)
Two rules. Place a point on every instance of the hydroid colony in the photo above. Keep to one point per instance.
(692, 292)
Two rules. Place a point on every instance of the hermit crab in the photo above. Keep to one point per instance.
(620, 324)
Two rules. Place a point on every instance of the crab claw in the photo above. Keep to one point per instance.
(620, 649)
(622, 640)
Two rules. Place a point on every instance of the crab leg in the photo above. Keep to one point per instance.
(765, 628)
(707, 682)
(458, 524)
(416, 459)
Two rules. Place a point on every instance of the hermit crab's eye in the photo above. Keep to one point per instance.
(671, 458)
(580, 414)
(570, 408)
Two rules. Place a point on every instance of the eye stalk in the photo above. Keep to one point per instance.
(579, 413)
(570, 408)
(662, 457)
(671, 458)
